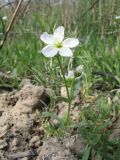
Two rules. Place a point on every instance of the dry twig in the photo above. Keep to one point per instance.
(91, 7)
(3, 26)
(10, 24)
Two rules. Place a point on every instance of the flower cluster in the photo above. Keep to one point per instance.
(78, 71)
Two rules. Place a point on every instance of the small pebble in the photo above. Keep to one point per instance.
(14, 142)
(34, 139)
(25, 158)
(3, 144)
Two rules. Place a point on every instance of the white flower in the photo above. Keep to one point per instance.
(56, 43)
(79, 69)
(70, 74)
(117, 17)
(4, 18)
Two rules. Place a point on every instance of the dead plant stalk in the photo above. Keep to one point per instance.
(10, 24)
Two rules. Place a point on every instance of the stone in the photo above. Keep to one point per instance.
(15, 142)
(63, 92)
(32, 96)
(34, 139)
(3, 130)
(3, 144)
(25, 158)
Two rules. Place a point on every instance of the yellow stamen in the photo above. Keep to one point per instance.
(58, 44)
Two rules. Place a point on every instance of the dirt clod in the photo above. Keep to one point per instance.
(18, 120)
(54, 150)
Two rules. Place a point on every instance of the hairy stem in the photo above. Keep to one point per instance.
(65, 82)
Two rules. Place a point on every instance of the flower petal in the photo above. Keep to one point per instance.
(47, 38)
(79, 69)
(70, 42)
(59, 33)
(49, 51)
(66, 52)
(70, 74)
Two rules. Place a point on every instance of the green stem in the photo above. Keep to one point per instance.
(68, 95)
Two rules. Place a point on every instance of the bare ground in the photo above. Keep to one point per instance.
(21, 134)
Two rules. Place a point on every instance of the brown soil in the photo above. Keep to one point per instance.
(21, 134)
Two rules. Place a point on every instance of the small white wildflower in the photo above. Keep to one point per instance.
(79, 69)
(56, 43)
(4, 18)
(70, 74)
(117, 17)
(79, 72)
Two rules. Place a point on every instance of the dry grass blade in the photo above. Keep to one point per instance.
(10, 24)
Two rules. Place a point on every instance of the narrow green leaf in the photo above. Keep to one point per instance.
(86, 152)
